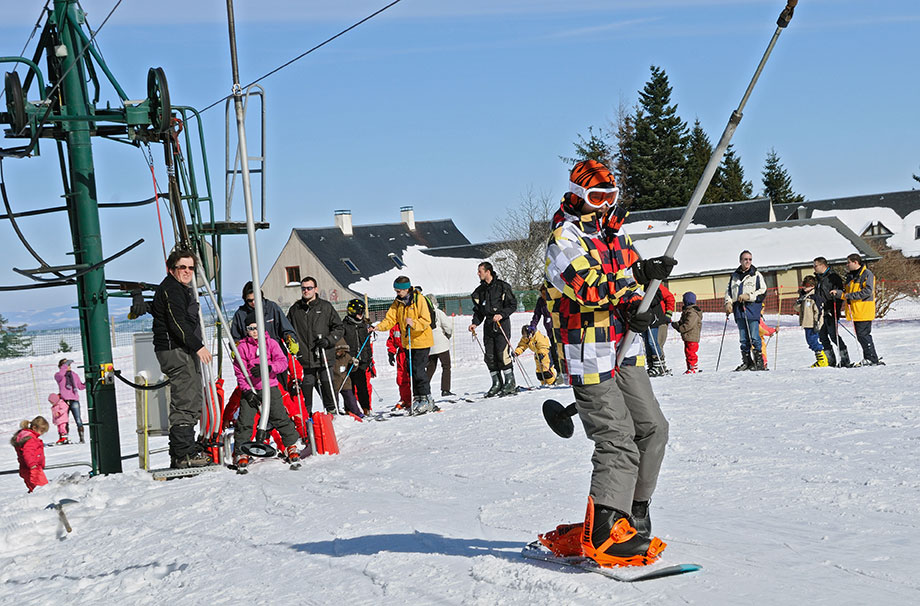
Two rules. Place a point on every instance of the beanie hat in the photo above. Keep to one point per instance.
(591, 173)
(689, 298)
(250, 318)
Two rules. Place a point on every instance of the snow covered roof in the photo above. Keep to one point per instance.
(707, 215)
(901, 202)
(435, 272)
(906, 239)
(859, 219)
(775, 246)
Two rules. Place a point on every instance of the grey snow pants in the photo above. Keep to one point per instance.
(629, 431)
(186, 394)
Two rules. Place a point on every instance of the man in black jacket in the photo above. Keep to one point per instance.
(179, 347)
(494, 302)
(318, 329)
(358, 338)
(830, 307)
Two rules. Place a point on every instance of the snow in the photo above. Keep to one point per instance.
(439, 275)
(905, 240)
(714, 251)
(859, 219)
(653, 226)
(787, 486)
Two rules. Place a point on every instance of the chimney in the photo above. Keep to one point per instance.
(407, 215)
(343, 221)
(801, 213)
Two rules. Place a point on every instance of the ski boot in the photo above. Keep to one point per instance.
(845, 359)
(831, 358)
(291, 454)
(759, 362)
(652, 366)
(241, 462)
(746, 362)
(80, 433)
(821, 360)
(496, 384)
(610, 540)
(510, 387)
(565, 541)
(62, 440)
(198, 459)
(422, 404)
(692, 370)
(446, 393)
(642, 518)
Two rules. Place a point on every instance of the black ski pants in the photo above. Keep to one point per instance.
(830, 336)
(317, 378)
(419, 361)
(864, 336)
(361, 382)
(497, 348)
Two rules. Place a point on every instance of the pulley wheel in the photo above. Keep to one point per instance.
(158, 96)
(15, 102)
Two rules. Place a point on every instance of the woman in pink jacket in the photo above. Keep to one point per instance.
(68, 385)
(251, 399)
(30, 450)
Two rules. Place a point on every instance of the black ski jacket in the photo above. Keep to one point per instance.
(312, 321)
(276, 324)
(175, 317)
(493, 298)
(828, 281)
(355, 335)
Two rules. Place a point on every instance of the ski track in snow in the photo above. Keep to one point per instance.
(790, 486)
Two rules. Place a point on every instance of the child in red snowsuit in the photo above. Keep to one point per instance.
(30, 450)
(397, 357)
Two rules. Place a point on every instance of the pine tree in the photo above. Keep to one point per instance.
(595, 147)
(625, 132)
(699, 150)
(729, 183)
(777, 184)
(13, 343)
(657, 153)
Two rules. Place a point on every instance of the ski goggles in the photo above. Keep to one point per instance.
(597, 197)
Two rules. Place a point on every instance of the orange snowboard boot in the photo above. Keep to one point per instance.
(565, 541)
(609, 539)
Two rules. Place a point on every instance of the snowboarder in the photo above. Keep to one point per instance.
(69, 384)
(859, 297)
(689, 326)
(440, 350)
(494, 302)
(361, 350)
(251, 400)
(811, 318)
(410, 312)
(30, 450)
(539, 345)
(179, 347)
(59, 417)
(592, 272)
(318, 329)
(831, 307)
(744, 297)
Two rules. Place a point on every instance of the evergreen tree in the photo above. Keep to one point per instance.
(699, 150)
(595, 147)
(13, 343)
(657, 153)
(625, 132)
(777, 184)
(729, 183)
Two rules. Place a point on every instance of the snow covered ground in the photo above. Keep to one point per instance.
(792, 486)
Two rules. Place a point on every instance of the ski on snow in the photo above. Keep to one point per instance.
(536, 551)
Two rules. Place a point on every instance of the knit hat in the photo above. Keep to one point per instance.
(250, 318)
(689, 298)
(591, 173)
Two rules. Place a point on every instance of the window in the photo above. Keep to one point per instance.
(293, 275)
(917, 232)
(396, 261)
(351, 266)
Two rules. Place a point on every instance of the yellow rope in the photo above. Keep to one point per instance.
(38, 402)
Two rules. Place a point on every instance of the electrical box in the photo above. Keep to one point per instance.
(152, 405)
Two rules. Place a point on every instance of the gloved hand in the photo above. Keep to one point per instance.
(255, 371)
(728, 307)
(392, 358)
(801, 292)
(674, 325)
(744, 297)
(639, 322)
(138, 305)
(293, 346)
(656, 268)
(668, 315)
(322, 343)
(251, 397)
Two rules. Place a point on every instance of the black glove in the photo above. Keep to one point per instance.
(392, 358)
(322, 343)
(656, 268)
(138, 305)
(251, 397)
(639, 322)
(255, 371)
(801, 292)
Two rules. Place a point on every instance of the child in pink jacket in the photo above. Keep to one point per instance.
(69, 384)
(60, 416)
(30, 450)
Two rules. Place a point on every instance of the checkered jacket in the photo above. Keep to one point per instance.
(590, 284)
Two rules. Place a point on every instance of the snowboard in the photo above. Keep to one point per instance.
(632, 574)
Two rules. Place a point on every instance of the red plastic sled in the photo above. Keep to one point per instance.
(325, 434)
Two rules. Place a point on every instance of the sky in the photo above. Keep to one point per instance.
(460, 109)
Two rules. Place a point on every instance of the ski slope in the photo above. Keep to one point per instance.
(792, 486)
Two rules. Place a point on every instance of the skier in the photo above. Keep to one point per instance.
(831, 307)
(410, 312)
(341, 379)
(539, 345)
(399, 358)
(361, 351)
(251, 400)
(654, 351)
(765, 331)
(859, 297)
(318, 329)
(59, 417)
(744, 297)
(590, 271)
(179, 347)
(689, 327)
(540, 311)
(69, 384)
(494, 302)
(811, 318)
(30, 451)
(440, 350)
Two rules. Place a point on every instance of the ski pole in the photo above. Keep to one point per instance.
(298, 389)
(722, 342)
(411, 378)
(652, 287)
(475, 338)
(335, 396)
(514, 357)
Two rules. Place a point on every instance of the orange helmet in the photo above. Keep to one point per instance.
(593, 183)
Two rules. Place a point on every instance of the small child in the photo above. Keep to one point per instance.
(59, 416)
(539, 345)
(69, 384)
(765, 330)
(811, 319)
(342, 378)
(30, 450)
(689, 325)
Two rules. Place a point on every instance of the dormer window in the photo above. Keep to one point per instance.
(396, 261)
(351, 266)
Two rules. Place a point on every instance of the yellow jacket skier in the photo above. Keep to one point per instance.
(539, 345)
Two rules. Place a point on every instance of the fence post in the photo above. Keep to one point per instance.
(38, 403)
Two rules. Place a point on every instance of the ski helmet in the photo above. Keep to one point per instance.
(355, 307)
(594, 184)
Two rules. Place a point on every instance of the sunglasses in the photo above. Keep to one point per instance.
(184, 267)
(250, 300)
(252, 328)
(596, 196)
(307, 288)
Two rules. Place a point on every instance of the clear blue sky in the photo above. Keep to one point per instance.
(460, 109)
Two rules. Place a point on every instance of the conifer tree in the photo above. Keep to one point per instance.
(777, 184)
(729, 183)
(625, 132)
(699, 150)
(12, 341)
(595, 147)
